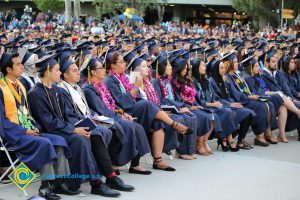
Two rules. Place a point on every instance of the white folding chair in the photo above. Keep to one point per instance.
(12, 164)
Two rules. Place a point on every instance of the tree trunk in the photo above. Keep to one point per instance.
(68, 9)
(161, 12)
(77, 9)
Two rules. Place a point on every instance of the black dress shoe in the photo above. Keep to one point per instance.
(117, 184)
(260, 143)
(168, 169)
(104, 190)
(134, 171)
(47, 193)
(64, 189)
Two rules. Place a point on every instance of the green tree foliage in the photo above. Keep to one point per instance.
(266, 9)
(53, 5)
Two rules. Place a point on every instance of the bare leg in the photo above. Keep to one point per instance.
(291, 106)
(268, 133)
(206, 136)
(200, 146)
(157, 143)
(282, 117)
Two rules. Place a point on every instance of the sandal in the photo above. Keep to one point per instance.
(244, 146)
(282, 139)
(158, 160)
(188, 131)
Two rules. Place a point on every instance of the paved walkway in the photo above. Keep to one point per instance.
(262, 173)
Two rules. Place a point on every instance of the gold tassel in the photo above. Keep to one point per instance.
(80, 59)
(89, 75)
(48, 73)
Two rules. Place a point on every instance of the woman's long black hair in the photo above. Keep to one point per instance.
(176, 75)
(219, 79)
(201, 78)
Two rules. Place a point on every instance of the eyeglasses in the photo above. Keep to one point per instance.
(99, 68)
(121, 61)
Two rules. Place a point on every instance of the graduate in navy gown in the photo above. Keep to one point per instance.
(290, 76)
(265, 121)
(129, 141)
(275, 82)
(231, 125)
(184, 91)
(38, 150)
(155, 122)
(49, 109)
(154, 94)
(29, 76)
(258, 86)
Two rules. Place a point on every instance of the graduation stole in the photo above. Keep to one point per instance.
(13, 113)
(241, 84)
(202, 93)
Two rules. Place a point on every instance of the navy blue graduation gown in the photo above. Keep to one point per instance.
(204, 118)
(226, 115)
(240, 113)
(34, 151)
(145, 112)
(131, 135)
(187, 142)
(73, 117)
(25, 83)
(257, 86)
(279, 84)
(82, 161)
(260, 123)
(291, 81)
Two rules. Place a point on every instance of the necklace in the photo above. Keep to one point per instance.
(52, 107)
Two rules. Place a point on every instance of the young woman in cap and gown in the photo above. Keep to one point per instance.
(49, 109)
(39, 150)
(29, 76)
(220, 91)
(153, 94)
(231, 120)
(129, 141)
(185, 92)
(264, 122)
(281, 103)
(288, 67)
(149, 115)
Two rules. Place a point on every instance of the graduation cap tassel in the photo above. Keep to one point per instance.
(48, 73)
(80, 59)
(89, 75)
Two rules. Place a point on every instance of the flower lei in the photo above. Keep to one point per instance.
(150, 92)
(105, 95)
(164, 89)
(124, 80)
(189, 93)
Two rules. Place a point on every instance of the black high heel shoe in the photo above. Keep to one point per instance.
(231, 148)
(224, 148)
